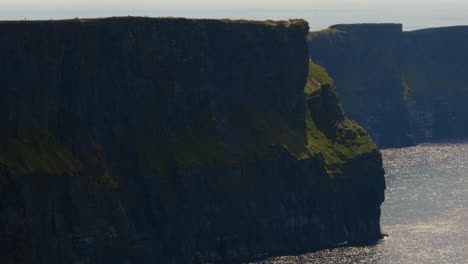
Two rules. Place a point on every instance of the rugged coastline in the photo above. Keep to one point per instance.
(137, 140)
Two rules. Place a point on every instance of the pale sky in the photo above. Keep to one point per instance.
(414, 14)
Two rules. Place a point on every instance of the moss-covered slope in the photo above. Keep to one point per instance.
(329, 132)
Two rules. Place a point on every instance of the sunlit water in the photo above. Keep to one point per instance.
(425, 213)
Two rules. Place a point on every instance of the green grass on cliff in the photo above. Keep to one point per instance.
(348, 141)
(26, 149)
(317, 77)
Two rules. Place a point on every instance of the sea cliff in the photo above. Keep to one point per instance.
(403, 87)
(137, 140)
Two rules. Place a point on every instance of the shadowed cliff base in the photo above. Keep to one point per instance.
(138, 140)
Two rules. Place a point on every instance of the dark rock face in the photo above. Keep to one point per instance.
(435, 68)
(403, 87)
(138, 140)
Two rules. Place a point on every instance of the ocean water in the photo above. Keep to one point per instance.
(425, 213)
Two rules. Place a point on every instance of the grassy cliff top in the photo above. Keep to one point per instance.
(328, 31)
(282, 23)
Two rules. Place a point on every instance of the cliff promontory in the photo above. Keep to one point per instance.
(136, 140)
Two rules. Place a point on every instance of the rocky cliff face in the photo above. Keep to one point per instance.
(132, 140)
(434, 66)
(403, 87)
